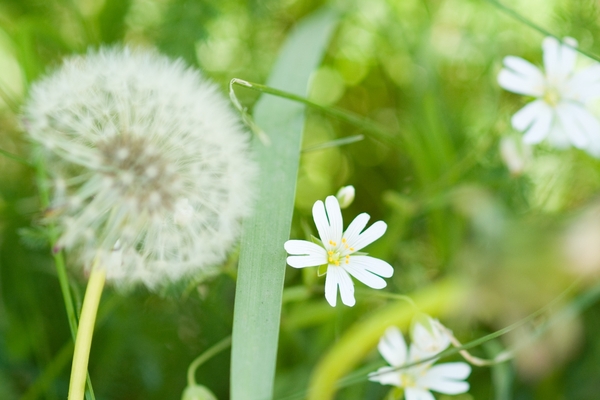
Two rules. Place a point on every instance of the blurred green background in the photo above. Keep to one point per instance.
(425, 70)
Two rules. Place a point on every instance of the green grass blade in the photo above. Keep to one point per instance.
(262, 258)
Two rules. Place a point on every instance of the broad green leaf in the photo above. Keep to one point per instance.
(262, 257)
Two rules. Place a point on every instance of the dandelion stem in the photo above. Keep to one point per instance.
(85, 332)
(202, 358)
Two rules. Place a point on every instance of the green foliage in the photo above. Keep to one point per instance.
(480, 248)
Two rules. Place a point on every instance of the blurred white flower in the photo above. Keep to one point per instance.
(337, 251)
(559, 113)
(345, 196)
(150, 167)
(429, 335)
(417, 380)
(515, 154)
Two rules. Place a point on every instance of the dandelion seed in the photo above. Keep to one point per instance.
(420, 379)
(338, 252)
(559, 113)
(151, 167)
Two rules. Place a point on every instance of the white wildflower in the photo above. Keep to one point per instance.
(429, 335)
(338, 252)
(515, 154)
(345, 196)
(150, 166)
(559, 113)
(417, 380)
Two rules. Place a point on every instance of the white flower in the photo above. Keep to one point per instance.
(338, 251)
(559, 113)
(515, 154)
(419, 379)
(429, 335)
(150, 167)
(345, 196)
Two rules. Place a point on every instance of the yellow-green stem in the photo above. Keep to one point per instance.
(85, 332)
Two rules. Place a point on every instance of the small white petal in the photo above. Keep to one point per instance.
(374, 265)
(572, 127)
(558, 138)
(584, 86)
(345, 195)
(588, 124)
(392, 347)
(552, 62)
(568, 55)
(526, 115)
(386, 376)
(364, 276)
(334, 213)
(356, 227)
(447, 378)
(521, 77)
(306, 261)
(540, 128)
(321, 221)
(372, 233)
(415, 393)
(337, 277)
(302, 247)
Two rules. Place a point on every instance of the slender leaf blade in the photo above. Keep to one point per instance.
(262, 257)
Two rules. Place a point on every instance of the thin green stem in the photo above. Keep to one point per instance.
(202, 358)
(14, 157)
(355, 119)
(83, 342)
(334, 143)
(513, 14)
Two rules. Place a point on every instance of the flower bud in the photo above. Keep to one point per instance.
(197, 392)
(345, 196)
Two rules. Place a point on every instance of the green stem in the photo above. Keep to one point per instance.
(202, 358)
(83, 342)
(355, 119)
(512, 13)
(14, 157)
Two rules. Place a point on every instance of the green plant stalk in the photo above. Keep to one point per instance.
(355, 119)
(262, 257)
(512, 13)
(59, 262)
(202, 358)
(83, 342)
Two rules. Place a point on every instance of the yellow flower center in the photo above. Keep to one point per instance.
(334, 256)
(552, 96)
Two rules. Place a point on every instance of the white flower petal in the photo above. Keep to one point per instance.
(337, 277)
(392, 347)
(386, 376)
(540, 128)
(372, 233)
(527, 115)
(302, 247)
(374, 265)
(521, 77)
(364, 276)
(306, 261)
(558, 138)
(552, 61)
(356, 227)
(415, 393)
(446, 378)
(334, 213)
(584, 86)
(587, 122)
(566, 113)
(321, 221)
(568, 55)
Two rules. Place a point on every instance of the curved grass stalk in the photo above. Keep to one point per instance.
(376, 131)
(202, 358)
(515, 15)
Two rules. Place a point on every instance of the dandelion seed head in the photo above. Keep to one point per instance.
(146, 155)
